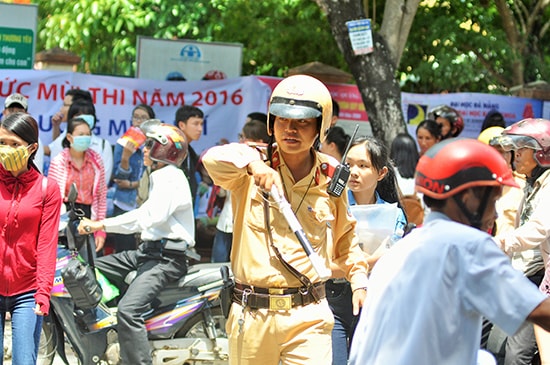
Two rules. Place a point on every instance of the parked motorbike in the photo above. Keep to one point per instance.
(185, 323)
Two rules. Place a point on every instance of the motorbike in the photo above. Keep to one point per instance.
(185, 323)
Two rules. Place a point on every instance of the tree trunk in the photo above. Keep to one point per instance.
(374, 73)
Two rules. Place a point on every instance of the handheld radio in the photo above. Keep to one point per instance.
(341, 173)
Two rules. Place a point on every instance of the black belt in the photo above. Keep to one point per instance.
(153, 245)
(276, 298)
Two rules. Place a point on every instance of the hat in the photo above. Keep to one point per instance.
(175, 76)
(16, 99)
(214, 75)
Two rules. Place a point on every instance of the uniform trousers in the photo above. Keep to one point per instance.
(299, 336)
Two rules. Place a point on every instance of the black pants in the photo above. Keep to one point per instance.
(154, 271)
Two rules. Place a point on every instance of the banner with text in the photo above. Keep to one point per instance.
(225, 103)
(472, 106)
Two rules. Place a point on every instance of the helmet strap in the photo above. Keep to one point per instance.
(270, 148)
(474, 218)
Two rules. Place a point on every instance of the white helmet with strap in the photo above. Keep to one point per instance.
(300, 97)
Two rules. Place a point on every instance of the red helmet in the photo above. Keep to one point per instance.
(456, 164)
(214, 75)
(529, 133)
(451, 114)
(166, 142)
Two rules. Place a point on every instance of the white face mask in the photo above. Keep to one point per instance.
(81, 143)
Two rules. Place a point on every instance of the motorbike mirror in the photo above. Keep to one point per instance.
(73, 193)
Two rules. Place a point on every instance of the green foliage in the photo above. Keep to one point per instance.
(453, 45)
(275, 35)
(461, 46)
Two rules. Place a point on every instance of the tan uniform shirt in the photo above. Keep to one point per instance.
(507, 206)
(253, 260)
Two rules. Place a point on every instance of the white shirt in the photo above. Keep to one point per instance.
(167, 213)
(428, 293)
(98, 144)
(39, 156)
(225, 220)
(407, 186)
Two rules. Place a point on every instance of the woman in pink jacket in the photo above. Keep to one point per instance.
(29, 220)
(79, 164)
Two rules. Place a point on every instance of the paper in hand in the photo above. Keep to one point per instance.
(133, 135)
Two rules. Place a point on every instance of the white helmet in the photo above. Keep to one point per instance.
(300, 97)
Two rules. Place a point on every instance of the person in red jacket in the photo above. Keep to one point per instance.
(29, 220)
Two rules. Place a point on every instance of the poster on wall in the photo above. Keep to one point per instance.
(185, 60)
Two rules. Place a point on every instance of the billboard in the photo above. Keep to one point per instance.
(163, 59)
(17, 35)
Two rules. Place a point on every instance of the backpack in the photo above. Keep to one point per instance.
(414, 211)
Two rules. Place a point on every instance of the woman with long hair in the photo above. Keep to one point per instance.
(428, 133)
(405, 156)
(30, 206)
(372, 181)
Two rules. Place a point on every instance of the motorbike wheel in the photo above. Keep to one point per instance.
(47, 347)
(196, 328)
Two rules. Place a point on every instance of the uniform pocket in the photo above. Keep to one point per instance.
(316, 222)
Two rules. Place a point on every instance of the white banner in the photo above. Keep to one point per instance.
(225, 103)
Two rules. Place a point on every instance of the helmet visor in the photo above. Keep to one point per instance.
(512, 142)
(294, 109)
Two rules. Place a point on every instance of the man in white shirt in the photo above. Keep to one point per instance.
(427, 295)
(166, 223)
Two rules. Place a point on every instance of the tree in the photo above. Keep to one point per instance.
(484, 46)
(375, 73)
(452, 46)
(275, 35)
(487, 46)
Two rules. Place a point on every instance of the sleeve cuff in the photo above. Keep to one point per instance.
(100, 234)
(43, 301)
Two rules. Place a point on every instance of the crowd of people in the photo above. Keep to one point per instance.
(477, 248)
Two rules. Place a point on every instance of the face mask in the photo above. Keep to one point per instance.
(14, 159)
(81, 143)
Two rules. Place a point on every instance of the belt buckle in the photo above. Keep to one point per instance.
(280, 302)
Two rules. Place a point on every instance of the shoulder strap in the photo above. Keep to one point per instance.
(303, 278)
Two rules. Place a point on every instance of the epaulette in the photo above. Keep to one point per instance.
(327, 168)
